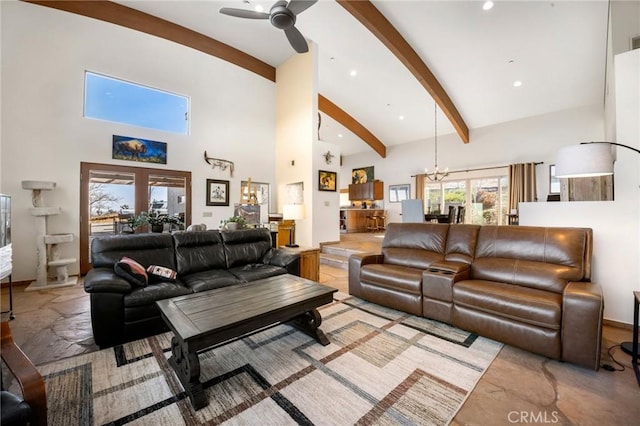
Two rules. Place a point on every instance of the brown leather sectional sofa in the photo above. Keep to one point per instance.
(525, 286)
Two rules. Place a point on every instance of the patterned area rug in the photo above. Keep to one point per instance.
(382, 367)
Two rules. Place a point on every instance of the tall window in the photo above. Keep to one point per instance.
(486, 199)
(120, 101)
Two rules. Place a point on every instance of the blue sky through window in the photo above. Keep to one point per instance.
(120, 101)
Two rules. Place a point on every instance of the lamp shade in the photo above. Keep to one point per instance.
(584, 160)
(293, 211)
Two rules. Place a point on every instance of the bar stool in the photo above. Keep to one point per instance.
(381, 222)
(372, 223)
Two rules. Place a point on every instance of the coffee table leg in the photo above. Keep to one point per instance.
(309, 323)
(187, 367)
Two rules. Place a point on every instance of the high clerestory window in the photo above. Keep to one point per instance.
(111, 99)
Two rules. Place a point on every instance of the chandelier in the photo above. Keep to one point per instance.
(436, 175)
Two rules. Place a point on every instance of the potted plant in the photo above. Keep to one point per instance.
(235, 222)
(157, 222)
(138, 220)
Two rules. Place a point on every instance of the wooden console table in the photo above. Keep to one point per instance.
(309, 261)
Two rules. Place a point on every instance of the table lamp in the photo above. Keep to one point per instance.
(292, 212)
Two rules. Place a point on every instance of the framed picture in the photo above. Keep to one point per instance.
(217, 192)
(136, 149)
(554, 182)
(362, 175)
(250, 213)
(327, 180)
(397, 193)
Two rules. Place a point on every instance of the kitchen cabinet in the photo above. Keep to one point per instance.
(366, 191)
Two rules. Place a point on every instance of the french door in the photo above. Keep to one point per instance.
(110, 195)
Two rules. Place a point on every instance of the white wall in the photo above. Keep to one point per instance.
(531, 139)
(615, 224)
(45, 137)
(296, 105)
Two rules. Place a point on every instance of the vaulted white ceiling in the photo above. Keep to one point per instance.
(555, 48)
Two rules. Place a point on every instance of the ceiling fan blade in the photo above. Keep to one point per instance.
(297, 40)
(243, 13)
(299, 6)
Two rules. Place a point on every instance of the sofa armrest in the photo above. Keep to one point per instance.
(582, 311)
(290, 260)
(29, 378)
(357, 261)
(105, 280)
(451, 266)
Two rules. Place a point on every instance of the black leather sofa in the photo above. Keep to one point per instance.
(203, 260)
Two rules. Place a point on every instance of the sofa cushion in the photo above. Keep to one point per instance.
(416, 245)
(256, 271)
(536, 257)
(246, 246)
(531, 306)
(198, 251)
(146, 249)
(208, 280)
(131, 271)
(400, 278)
(461, 243)
(149, 294)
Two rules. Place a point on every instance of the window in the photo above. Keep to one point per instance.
(110, 99)
(486, 199)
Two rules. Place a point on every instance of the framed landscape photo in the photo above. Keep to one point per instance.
(217, 192)
(327, 180)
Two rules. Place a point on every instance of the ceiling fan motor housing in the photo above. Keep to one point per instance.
(281, 17)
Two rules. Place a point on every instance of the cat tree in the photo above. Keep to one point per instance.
(47, 245)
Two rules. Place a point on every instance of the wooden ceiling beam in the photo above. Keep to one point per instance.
(335, 112)
(118, 14)
(369, 16)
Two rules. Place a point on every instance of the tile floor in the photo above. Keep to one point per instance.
(518, 388)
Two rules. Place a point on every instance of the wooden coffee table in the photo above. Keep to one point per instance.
(202, 320)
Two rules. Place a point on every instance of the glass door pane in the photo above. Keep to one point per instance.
(485, 205)
(167, 201)
(455, 194)
(111, 202)
(433, 197)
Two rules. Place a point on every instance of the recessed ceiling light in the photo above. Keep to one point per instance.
(339, 135)
(517, 83)
(401, 117)
(353, 73)
(487, 5)
(259, 8)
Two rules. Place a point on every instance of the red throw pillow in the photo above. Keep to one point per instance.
(131, 271)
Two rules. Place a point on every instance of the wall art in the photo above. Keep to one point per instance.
(136, 149)
(217, 192)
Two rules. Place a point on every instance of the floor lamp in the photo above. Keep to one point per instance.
(292, 212)
(589, 159)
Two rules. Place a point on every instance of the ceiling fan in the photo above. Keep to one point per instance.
(282, 15)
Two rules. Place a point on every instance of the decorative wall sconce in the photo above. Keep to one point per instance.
(328, 156)
(218, 162)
